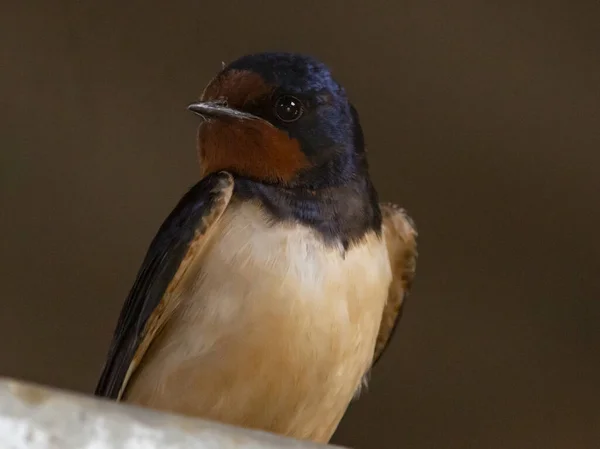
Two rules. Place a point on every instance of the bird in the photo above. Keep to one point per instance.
(277, 281)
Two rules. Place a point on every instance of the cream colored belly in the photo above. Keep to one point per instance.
(274, 331)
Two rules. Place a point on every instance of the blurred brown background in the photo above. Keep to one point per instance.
(482, 119)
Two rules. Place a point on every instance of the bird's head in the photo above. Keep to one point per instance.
(280, 118)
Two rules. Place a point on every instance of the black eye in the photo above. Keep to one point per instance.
(288, 108)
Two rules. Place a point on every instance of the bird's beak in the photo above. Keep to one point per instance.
(214, 109)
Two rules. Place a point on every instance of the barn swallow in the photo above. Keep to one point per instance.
(277, 281)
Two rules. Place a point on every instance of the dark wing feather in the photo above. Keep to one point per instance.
(401, 240)
(143, 311)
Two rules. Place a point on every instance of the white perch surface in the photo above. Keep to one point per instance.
(36, 417)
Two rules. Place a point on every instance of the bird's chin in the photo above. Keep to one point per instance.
(249, 148)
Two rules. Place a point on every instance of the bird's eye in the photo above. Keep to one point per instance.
(288, 108)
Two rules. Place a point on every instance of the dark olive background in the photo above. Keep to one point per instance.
(482, 119)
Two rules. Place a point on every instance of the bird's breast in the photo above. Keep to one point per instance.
(275, 329)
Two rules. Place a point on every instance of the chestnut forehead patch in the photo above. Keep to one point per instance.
(237, 87)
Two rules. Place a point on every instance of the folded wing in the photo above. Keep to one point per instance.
(150, 301)
(401, 240)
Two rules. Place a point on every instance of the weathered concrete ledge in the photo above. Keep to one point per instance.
(37, 417)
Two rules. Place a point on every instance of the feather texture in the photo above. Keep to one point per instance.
(401, 241)
(274, 330)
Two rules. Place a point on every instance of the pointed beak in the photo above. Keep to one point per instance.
(208, 109)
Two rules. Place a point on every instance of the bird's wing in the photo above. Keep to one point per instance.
(150, 301)
(401, 240)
